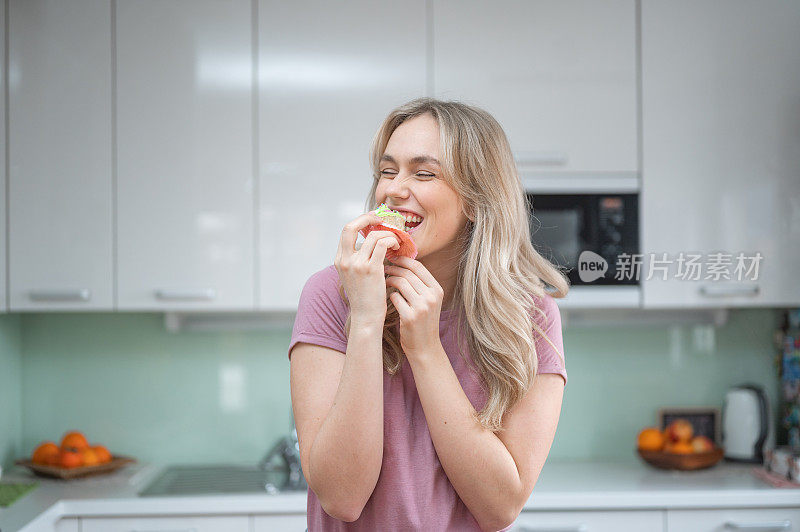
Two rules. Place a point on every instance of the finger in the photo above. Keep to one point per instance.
(405, 288)
(347, 241)
(375, 239)
(372, 239)
(381, 247)
(418, 268)
(400, 304)
(407, 274)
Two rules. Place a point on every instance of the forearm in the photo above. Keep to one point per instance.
(476, 462)
(345, 458)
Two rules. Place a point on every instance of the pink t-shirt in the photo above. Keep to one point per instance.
(413, 491)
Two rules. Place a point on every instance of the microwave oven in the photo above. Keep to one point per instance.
(593, 236)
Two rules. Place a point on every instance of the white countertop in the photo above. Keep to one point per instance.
(574, 485)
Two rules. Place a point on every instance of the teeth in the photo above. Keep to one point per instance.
(410, 218)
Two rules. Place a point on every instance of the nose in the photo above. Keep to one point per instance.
(398, 187)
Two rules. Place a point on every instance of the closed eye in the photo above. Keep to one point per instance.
(418, 174)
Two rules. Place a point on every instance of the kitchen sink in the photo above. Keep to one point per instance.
(218, 479)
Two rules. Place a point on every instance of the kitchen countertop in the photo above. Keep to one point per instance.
(562, 485)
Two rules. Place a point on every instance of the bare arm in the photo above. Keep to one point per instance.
(338, 407)
(338, 400)
(494, 474)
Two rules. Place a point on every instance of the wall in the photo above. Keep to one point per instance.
(142, 391)
(619, 377)
(224, 397)
(10, 389)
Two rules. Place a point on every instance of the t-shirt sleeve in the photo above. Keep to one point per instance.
(550, 355)
(321, 313)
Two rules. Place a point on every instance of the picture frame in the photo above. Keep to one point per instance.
(706, 420)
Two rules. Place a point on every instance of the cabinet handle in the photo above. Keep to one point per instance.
(774, 525)
(541, 158)
(207, 294)
(723, 291)
(81, 294)
(569, 528)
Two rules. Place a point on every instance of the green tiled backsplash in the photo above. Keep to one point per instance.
(142, 391)
(10, 388)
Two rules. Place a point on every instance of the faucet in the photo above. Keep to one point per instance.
(288, 448)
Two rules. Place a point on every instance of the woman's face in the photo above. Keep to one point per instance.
(411, 180)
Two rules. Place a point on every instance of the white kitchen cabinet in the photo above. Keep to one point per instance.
(185, 168)
(237, 523)
(559, 76)
(590, 521)
(4, 179)
(721, 164)
(279, 523)
(724, 519)
(60, 233)
(327, 81)
(68, 524)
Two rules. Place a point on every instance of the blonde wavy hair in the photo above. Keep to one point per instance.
(499, 271)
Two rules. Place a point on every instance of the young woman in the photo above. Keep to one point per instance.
(433, 408)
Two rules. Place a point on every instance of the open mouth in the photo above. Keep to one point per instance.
(412, 221)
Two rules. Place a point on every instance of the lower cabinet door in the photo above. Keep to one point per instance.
(585, 521)
(731, 520)
(280, 523)
(67, 524)
(201, 523)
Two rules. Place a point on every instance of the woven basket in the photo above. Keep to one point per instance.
(683, 462)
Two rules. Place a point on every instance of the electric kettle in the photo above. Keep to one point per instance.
(746, 424)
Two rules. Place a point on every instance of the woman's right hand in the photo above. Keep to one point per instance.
(361, 271)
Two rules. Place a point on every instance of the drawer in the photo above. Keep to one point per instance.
(583, 521)
(279, 523)
(731, 520)
(68, 524)
(200, 523)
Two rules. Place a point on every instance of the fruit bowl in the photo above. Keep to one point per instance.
(683, 462)
(75, 472)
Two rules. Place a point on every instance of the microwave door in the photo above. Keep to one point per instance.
(563, 226)
(557, 235)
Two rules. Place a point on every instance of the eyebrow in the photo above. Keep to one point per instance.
(419, 159)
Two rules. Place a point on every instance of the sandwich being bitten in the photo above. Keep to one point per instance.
(395, 222)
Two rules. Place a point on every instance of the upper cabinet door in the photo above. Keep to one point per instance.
(721, 175)
(330, 72)
(559, 76)
(185, 88)
(4, 179)
(60, 156)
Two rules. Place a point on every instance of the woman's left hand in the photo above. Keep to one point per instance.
(419, 303)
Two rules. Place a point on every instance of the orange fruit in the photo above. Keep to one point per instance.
(102, 453)
(46, 453)
(54, 459)
(70, 458)
(74, 439)
(89, 457)
(678, 447)
(650, 439)
(702, 444)
(679, 430)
